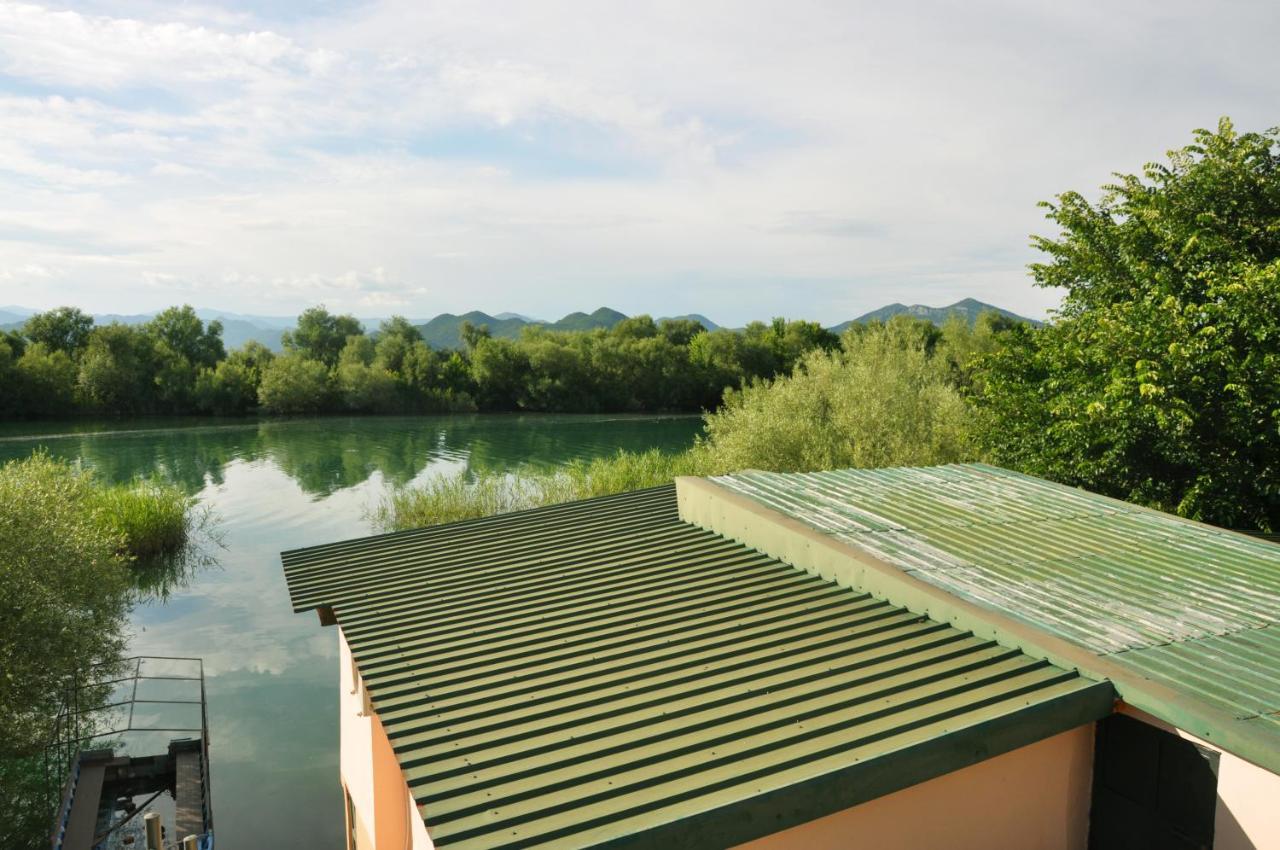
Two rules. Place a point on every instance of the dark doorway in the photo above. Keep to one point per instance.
(1151, 789)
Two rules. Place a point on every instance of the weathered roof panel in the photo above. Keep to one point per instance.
(601, 673)
(1184, 604)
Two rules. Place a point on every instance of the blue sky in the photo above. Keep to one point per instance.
(738, 159)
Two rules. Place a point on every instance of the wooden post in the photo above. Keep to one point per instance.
(154, 828)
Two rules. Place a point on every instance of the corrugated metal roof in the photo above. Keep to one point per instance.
(601, 673)
(1190, 606)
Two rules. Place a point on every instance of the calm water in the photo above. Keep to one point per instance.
(272, 684)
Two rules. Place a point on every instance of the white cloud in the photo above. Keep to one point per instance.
(65, 47)
(738, 159)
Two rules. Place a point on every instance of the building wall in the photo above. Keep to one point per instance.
(386, 816)
(1247, 816)
(355, 759)
(1032, 798)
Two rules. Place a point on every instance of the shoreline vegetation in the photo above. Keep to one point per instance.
(60, 364)
(77, 553)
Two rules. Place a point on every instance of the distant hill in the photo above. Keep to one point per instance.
(602, 318)
(697, 317)
(969, 308)
(445, 330)
(10, 315)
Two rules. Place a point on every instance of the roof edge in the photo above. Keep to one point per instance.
(715, 508)
(758, 816)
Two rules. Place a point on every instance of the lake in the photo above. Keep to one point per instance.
(282, 484)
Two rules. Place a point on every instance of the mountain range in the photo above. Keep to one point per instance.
(444, 331)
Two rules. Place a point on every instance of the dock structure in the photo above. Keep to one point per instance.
(116, 773)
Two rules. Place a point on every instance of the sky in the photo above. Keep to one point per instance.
(742, 159)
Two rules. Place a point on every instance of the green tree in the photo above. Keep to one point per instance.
(681, 331)
(17, 342)
(65, 329)
(184, 334)
(472, 334)
(320, 335)
(499, 368)
(395, 339)
(292, 383)
(46, 381)
(1159, 380)
(11, 401)
(117, 370)
(226, 390)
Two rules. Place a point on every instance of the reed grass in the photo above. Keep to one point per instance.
(468, 496)
(151, 517)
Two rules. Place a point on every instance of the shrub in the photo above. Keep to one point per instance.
(879, 402)
(292, 383)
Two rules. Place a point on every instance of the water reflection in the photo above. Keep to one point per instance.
(329, 454)
(271, 674)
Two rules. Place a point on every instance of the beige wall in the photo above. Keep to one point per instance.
(386, 816)
(1248, 812)
(1032, 798)
(355, 758)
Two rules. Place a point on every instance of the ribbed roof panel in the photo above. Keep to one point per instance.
(602, 673)
(1183, 604)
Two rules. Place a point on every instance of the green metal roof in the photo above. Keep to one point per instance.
(601, 673)
(1191, 607)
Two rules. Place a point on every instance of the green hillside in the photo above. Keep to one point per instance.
(445, 330)
(969, 308)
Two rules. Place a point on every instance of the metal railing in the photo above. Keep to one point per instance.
(78, 725)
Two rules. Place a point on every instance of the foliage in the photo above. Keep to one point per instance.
(292, 383)
(884, 400)
(66, 546)
(320, 335)
(184, 347)
(63, 600)
(65, 329)
(1159, 382)
(44, 379)
(176, 363)
(232, 386)
(117, 369)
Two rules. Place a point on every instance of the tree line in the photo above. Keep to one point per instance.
(60, 363)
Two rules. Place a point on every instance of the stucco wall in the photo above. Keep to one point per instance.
(1247, 816)
(355, 758)
(1032, 798)
(386, 816)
